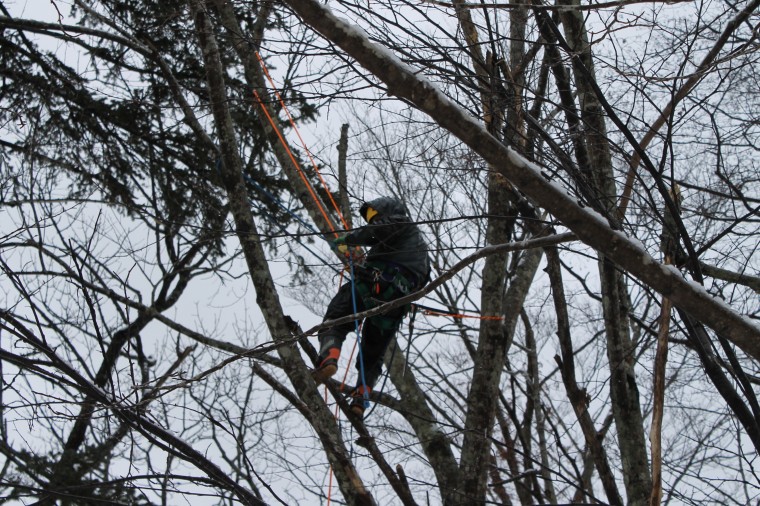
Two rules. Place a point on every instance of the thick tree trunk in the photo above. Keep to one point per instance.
(588, 226)
(492, 339)
(414, 408)
(620, 349)
(623, 387)
(489, 361)
(484, 389)
(323, 422)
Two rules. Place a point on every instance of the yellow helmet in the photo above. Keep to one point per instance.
(368, 212)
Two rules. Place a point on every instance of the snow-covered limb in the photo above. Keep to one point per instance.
(405, 83)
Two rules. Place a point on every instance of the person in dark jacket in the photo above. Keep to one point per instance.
(396, 265)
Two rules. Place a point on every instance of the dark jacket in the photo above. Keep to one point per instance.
(394, 239)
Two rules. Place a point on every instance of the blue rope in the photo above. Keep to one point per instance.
(276, 222)
(358, 335)
(271, 218)
(248, 179)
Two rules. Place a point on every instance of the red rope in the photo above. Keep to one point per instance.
(308, 153)
(293, 159)
(316, 200)
(429, 312)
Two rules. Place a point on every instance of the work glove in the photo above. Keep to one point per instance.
(352, 252)
(339, 244)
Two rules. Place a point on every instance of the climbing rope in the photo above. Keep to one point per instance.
(321, 209)
(303, 144)
(301, 173)
(329, 222)
(278, 202)
(358, 335)
(275, 222)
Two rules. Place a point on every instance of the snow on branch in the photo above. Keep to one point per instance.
(404, 82)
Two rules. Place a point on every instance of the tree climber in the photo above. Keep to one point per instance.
(396, 265)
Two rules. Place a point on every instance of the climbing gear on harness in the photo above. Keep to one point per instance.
(374, 284)
(327, 366)
(386, 280)
(360, 400)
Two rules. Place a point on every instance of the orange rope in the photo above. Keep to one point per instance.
(308, 153)
(316, 200)
(293, 159)
(329, 487)
(429, 312)
(336, 415)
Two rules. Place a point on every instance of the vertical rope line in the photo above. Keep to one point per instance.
(356, 326)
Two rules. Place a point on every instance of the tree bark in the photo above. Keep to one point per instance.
(414, 408)
(658, 403)
(587, 225)
(623, 387)
(345, 206)
(348, 478)
(320, 214)
(492, 338)
(620, 349)
(578, 397)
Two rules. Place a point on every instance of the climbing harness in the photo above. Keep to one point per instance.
(379, 281)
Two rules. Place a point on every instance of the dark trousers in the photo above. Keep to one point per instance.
(377, 331)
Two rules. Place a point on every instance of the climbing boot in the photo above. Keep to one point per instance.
(327, 365)
(359, 401)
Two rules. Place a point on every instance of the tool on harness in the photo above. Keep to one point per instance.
(386, 280)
